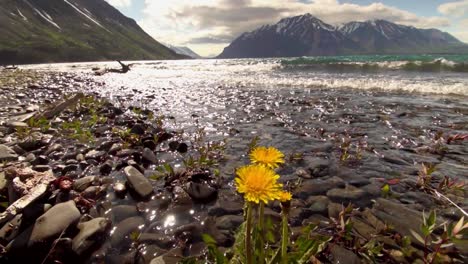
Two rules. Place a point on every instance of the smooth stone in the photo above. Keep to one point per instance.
(226, 208)
(182, 148)
(89, 231)
(318, 204)
(122, 212)
(106, 168)
(156, 239)
(334, 209)
(124, 228)
(318, 187)
(138, 129)
(341, 255)
(297, 215)
(229, 222)
(115, 148)
(149, 156)
(54, 221)
(53, 148)
(7, 154)
(15, 124)
(318, 167)
(348, 194)
(399, 216)
(137, 181)
(95, 154)
(201, 192)
(82, 183)
(41, 168)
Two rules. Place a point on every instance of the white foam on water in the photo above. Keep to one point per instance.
(267, 73)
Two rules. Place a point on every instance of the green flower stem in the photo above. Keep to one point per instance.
(261, 227)
(284, 237)
(248, 234)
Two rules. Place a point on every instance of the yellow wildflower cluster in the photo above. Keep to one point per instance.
(258, 181)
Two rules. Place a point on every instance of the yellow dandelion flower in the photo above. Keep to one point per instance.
(284, 196)
(257, 183)
(270, 157)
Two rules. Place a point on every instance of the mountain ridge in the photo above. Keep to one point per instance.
(306, 35)
(41, 31)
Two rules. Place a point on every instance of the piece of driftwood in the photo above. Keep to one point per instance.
(31, 184)
(56, 110)
(125, 68)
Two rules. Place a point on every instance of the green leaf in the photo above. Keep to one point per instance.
(417, 236)
(208, 239)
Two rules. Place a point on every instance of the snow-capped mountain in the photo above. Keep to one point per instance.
(181, 50)
(306, 35)
(384, 36)
(72, 30)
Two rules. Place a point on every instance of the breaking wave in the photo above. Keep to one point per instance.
(383, 63)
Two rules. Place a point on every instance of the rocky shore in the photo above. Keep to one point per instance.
(84, 180)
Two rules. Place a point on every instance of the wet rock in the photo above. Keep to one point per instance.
(80, 157)
(54, 221)
(32, 143)
(173, 145)
(7, 154)
(201, 192)
(149, 156)
(399, 216)
(138, 182)
(297, 215)
(156, 239)
(41, 168)
(94, 192)
(53, 148)
(301, 172)
(226, 208)
(334, 210)
(318, 204)
(318, 187)
(95, 154)
(149, 144)
(115, 148)
(16, 124)
(348, 194)
(106, 168)
(341, 255)
(229, 222)
(120, 189)
(122, 212)
(182, 148)
(318, 167)
(89, 234)
(138, 129)
(83, 183)
(69, 168)
(124, 228)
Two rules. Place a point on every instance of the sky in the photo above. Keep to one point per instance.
(207, 26)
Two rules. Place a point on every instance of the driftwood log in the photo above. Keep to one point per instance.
(56, 110)
(31, 184)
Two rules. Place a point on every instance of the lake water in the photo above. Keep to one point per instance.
(390, 114)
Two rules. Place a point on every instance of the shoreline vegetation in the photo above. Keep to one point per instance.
(83, 180)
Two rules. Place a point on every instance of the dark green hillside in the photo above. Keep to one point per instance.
(36, 31)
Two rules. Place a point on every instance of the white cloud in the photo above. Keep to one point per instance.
(214, 23)
(120, 3)
(456, 9)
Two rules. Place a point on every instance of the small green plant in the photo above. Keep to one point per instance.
(424, 176)
(435, 245)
